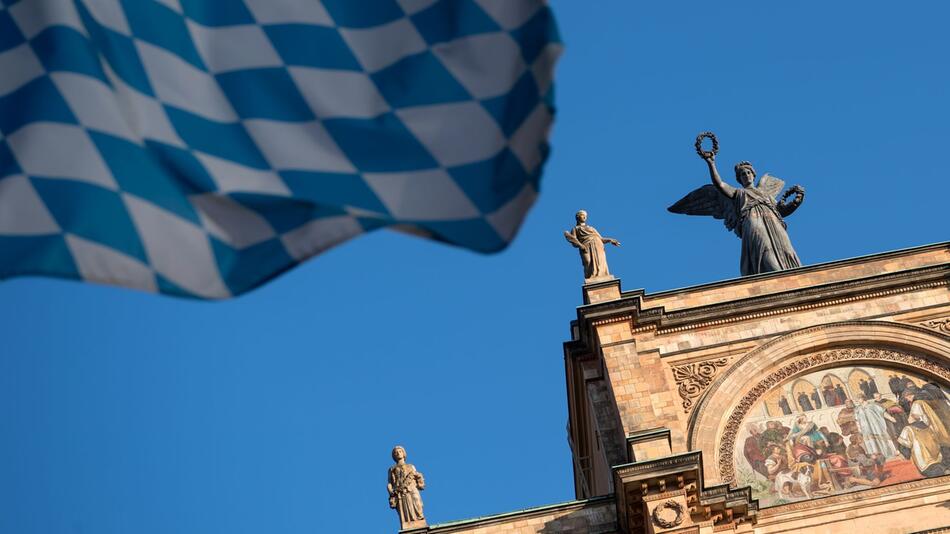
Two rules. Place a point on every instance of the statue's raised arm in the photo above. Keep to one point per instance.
(751, 211)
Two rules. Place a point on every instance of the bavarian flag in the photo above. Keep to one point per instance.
(201, 147)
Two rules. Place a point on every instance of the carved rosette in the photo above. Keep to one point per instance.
(693, 378)
(668, 514)
(800, 366)
(940, 325)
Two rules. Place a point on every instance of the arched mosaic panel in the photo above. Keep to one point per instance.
(841, 429)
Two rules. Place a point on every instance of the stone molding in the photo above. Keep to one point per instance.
(650, 466)
(853, 496)
(630, 306)
(664, 496)
(611, 320)
(802, 365)
(752, 308)
(693, 378)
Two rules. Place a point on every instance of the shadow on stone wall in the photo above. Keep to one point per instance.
(594, 520)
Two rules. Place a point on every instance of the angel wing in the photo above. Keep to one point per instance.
(771, 185)
(707, 200)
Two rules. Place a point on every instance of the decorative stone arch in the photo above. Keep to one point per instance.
(714, 424)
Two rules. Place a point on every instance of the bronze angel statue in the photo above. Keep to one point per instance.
(752, 211)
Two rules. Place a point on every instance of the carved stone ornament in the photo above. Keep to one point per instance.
(804, 364)
(668, 514)
(940, 325)
(693, 378)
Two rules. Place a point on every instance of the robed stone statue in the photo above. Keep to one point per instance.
(751, 211)
(404, 486)
(591, 246)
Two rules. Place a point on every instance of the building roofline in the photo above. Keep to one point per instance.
(798, 270)
(567, 505)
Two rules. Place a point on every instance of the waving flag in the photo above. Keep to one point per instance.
(201, 147)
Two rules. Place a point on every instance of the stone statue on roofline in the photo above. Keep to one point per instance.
(590, 244)
(404, 486)
(752, 211)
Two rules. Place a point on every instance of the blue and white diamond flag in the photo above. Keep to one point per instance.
(201, 147)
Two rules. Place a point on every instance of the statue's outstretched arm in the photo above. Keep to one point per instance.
(610, 240)
(787, 207)
(723, 187)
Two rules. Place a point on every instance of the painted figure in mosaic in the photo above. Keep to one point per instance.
(751, 211)
(926, 438)
(590, 243)
(898, 419)
(775, 433)
(753, 450)
(831, 397)
(784, 406)
(870, 465)
(840, 395)
(804, 402)
(872, 420)
(404, 486)
(846, 419)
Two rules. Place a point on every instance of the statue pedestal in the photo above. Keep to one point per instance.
(601, 289)
(419, 525)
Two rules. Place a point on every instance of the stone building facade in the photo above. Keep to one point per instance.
(807, 400)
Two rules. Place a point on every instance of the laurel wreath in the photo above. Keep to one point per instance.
(794, 190)
(675, 507)
(705, 154)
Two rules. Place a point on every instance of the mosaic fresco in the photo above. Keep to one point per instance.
(841, 430)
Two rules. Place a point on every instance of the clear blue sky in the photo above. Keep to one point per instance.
(275, 412)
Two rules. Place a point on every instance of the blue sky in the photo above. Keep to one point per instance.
(275, 412)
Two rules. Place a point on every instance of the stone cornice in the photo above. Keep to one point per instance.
(857, 260)
(654, 468)
(629, 308)
(830, 294)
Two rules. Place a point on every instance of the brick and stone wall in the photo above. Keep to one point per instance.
(595, 516)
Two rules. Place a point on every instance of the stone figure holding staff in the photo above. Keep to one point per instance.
(751, 211)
